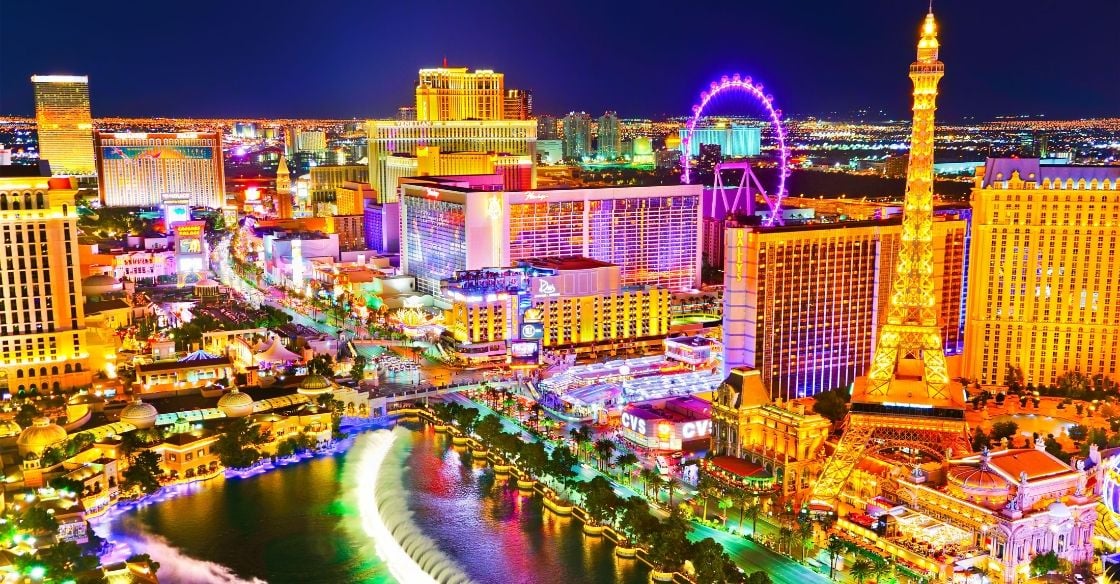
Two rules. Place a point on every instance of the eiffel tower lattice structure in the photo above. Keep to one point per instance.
(906, 402)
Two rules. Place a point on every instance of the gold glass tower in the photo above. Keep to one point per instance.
(454, 93)
(64, 125)
(907, 403)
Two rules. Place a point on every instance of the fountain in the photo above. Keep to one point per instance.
(382, 501)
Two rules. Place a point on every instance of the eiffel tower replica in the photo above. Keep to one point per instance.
(906, 403)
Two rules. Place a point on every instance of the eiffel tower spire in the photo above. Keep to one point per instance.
(906, 401)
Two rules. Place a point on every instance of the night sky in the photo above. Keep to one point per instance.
(358, 58)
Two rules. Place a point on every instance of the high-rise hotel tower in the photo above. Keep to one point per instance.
(63, 122)
(460, 128)
(1044, 286)
(42, 323)
(139, 170)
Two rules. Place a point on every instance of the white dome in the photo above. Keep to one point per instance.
(236, 404)
(315, 385)
(99, 284)
(139, 414)
(1059, 510)
(39, 436)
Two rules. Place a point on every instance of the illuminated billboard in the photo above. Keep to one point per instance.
(157, 153)
(524, 353)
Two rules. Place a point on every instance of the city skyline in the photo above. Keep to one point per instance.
(834, 46)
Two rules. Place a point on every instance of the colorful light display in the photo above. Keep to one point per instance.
(731, 84)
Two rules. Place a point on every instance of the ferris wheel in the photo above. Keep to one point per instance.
(749, 186)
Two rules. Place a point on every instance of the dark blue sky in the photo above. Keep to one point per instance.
(344, 58)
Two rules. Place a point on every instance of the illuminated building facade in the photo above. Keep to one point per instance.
(137, 169)
(311, 141)
(42, 320)
(779, 441)
(802, 303)
(577, 135)
(326, 179)
(63, 123)
(350, 230)
(454, 93)
(563, 303)
(381, 223)
(351, 197)
(734, 140)
(609, 145)
(518, 105)
(1044, 292)
(395, 148)
(546, 128)
(451, 224)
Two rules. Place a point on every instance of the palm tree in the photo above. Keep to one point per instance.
(753, 510)
(705, 489)
(804, 536)
(581, 436)
(879, 568)
(647, 475)
(604, 448)
(627, 460)
(725, 502)
(656, 483)
(672, 483)
(835, 548)
(861, 570)
(785, 538)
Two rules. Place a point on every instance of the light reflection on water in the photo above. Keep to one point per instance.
(295, 525)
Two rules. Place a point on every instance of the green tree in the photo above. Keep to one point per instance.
(1045, 563)
(1013, 378)
(143, 472)
(1078, 432)
(467, 419)
(725, 503)
(37, 520)
(358, 368)
(581, 436)
(759, 577)
(835, 548)
(668, 546)
(709, 558)
(861, 570)
(627, 461)
(235, 446)
(604, 449)
(1001, 430)
(832, 404)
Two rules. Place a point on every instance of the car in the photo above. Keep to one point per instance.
(1079, 578)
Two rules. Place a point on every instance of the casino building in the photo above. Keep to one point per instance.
(135, 169)
(1044, 288)
(457, 223)
(570, 303)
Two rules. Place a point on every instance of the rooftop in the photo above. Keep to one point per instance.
(566, 263)
(1035, 463)
(1032, 170)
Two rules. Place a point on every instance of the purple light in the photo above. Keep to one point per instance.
(747, 85)
(240, 151)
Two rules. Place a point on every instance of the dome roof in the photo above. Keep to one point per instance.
(978, 480)
(236, 404)
(1059, 510)
(139, 414)
(315, 385)
(100, 284)
(206, 283)
(9, 428)
(41, 434)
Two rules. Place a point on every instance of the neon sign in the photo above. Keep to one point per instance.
(535, 196)
(545, 287)
(697, 429)
(634, 423)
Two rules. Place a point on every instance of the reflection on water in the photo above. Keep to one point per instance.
(297, 525)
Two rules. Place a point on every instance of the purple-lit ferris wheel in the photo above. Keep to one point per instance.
(773, 197)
